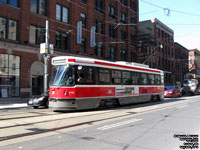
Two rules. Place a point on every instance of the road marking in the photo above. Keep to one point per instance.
(182, 106)
(118, 124)
(13, 106)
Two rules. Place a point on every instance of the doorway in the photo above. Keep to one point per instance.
(37, 85)
(36, 78)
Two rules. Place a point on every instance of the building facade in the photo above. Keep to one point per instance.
(161, 55)
(181, 63)
(22, 29)
(194, 63)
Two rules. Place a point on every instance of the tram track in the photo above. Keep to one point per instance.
(120, 113)
(23, 115)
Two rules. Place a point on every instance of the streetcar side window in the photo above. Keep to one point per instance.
(126, 77)
(151, 78)
(116, 77)
(142, 79)
(104, 76)
(157, 80)
(85, 75)
(135, 77)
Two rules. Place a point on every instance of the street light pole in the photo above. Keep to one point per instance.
(46, 49)
(46, 60)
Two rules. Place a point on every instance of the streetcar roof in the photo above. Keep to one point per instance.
(64, 60)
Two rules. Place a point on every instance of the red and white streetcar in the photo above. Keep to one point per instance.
(83, 83)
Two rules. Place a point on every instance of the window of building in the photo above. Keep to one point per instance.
(9, 75)
(123, 17)
(133, 5)
(112, 32)
(123, 35)
(133, 56)
(124, 2)
(3, 28)
(36, 34)
(172, 52)
(62, 13)
(158, 30)
(158, 60)
(83, 46)
(84, 1)
(111, 53)
(97, 24)
(123, 54)
(99, 52)
(83, 19)
(133, 22)
(112, 11)
(62, 41)
(8, 29)
(14, 3)
(39, 7)
(133, 41)
(99, 5)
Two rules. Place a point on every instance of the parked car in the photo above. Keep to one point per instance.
(38, 101)
(173, 91)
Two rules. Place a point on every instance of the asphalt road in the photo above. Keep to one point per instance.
(174, 127)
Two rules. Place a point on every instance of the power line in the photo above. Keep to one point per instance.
(168, 10)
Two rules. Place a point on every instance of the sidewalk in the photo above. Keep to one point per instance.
(9, 103)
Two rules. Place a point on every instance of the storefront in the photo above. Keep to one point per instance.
(9, 76)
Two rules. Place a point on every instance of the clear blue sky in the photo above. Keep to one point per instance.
(182, 16)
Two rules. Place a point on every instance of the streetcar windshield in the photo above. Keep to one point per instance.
(62, 76)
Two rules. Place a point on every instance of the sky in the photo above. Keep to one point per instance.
(182, 16)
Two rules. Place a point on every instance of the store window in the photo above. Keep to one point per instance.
(9, 75)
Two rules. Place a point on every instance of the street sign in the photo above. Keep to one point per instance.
(79, 32)
(44, 49)
(92, 36)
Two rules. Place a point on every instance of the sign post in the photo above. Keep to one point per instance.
(46, 49)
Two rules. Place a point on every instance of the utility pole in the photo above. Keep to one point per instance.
(46, 60)
(46, 49)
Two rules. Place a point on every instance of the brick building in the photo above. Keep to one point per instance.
(181, 63)
(194, 63)
(160, 53)
(22, 28)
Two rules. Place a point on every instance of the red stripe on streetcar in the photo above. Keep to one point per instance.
(71, 60)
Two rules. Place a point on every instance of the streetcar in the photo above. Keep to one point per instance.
(78, 83)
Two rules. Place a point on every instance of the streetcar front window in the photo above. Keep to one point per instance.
(62, 76)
